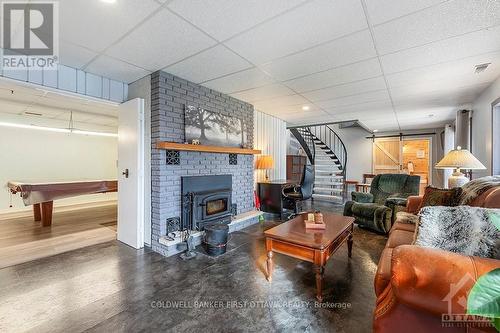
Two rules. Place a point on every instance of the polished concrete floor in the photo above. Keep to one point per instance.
(111, 288)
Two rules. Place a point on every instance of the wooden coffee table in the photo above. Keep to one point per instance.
(317, 246)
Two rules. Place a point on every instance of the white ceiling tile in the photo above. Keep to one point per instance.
(291, 110)
(385, 10)
(447, 20)
(460, 47)
(225, 18)
(319, 117)
(12, 107)
(375, 96)
(308, 25)
(343, 51)
(209, 64)
(247, 79)
(364, 110)
(438, 89)
(96, 25)
(346, 89)
(341, 75)
(425, 115)
(291, 100)
(447, 75)
(116, 69)
(73, 55)
(382, 125)
(162, 40)
(263, 93)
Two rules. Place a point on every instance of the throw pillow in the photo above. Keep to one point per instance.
(462, 229)
(434, 196)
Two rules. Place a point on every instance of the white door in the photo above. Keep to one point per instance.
(131, 173)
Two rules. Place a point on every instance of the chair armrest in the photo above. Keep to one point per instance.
(394, 201)
(413, 203)
(362, 197)
(288, 189)
(434, 280)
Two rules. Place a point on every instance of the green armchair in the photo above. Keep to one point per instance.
(377, 210)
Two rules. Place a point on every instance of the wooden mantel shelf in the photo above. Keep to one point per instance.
(206, 149)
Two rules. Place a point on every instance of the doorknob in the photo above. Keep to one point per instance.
(125, 173)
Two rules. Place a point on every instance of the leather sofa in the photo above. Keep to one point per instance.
(416, 286)
(376, 210)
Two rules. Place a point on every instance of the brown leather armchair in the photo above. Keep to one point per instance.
(418, 287)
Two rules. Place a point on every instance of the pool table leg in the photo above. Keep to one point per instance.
(37, 213)
(47, 208)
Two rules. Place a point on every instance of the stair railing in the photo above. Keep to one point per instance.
(331, 140)
(306, 141)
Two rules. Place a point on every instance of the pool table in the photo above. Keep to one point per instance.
(42, 195)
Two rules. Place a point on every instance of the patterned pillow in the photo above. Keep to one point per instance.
(434, 196)
(462, 229)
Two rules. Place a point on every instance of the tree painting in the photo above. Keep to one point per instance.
(213, 128)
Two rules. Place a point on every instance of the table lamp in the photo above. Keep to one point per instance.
(459, 159)
(265, 162)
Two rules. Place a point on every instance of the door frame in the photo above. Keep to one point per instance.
(495, 140)
(409, 138)
(431, 160)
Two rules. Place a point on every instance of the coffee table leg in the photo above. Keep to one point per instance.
(349, 245)
(319, 282)
(269, 264)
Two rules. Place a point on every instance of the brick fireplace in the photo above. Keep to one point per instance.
(169, 96)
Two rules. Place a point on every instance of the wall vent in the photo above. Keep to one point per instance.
(481, 67)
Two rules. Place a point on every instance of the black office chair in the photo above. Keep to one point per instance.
(295, 194)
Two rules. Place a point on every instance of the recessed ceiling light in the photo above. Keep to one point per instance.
(108, 1)
(306, 108)
(375, 131)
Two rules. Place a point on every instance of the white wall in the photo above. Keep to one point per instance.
(359, 151)
(34, 155)
(482, 128)
(270, 136)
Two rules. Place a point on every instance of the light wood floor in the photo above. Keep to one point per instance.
(22, 239)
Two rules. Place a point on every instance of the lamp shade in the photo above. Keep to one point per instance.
(460, 159)
(265, 162)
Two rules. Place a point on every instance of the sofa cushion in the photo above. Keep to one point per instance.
(477, 187)
(399, 237)
(434, 196)
(383, 275)
(463, 229)
(404, 226)
(408, 218)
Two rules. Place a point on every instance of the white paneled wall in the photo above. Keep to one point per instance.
(270, 136)
(73, 80)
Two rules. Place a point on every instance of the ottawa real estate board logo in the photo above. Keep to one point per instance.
(30, 35)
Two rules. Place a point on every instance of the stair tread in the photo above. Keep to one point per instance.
(327, 189)
(326, 196)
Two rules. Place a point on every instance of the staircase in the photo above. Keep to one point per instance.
(326, 151)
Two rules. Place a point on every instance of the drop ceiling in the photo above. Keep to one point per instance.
(47, 107)
(392, 64)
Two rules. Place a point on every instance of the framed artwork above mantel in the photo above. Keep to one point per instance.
(214, 128)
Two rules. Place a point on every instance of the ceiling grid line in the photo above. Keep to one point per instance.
(370, 28)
